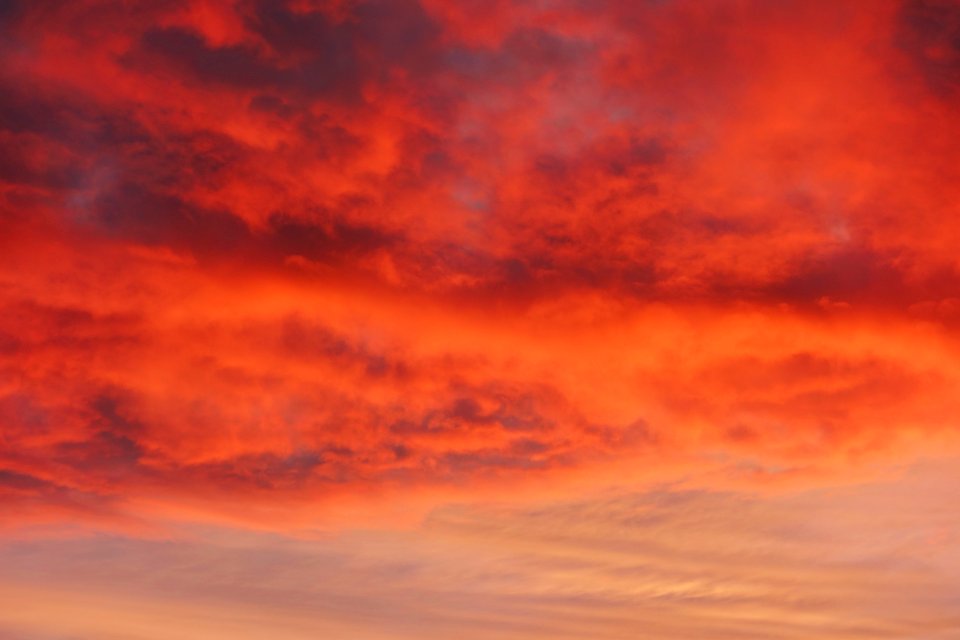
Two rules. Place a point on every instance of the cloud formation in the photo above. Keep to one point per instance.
(272, 253)
(505, 319)
(666, 563)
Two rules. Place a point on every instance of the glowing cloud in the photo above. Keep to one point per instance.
(299, 266)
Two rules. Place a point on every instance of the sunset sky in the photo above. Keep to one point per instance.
(480, 319)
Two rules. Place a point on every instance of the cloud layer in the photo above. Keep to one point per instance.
(502, 319)
(264, 252)
(873, 561)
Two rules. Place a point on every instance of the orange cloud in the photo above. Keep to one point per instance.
(270, 252)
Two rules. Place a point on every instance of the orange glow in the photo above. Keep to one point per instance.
(305, 267)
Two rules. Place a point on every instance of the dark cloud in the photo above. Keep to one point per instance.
(104, 453)
(111, 448)
(302, 339)
(237, 65)
(488, 461)
(265, 471)
(325, 241)
(929, 31)
(498, 407)
(525, 55)
(24, 482)
(852, 274)
(63, 117)
(133, 212)
(316, 55)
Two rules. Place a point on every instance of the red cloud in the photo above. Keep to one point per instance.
(284, 251)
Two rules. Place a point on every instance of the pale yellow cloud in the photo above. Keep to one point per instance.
(859, 562)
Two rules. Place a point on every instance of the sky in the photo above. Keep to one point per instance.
(509, 319)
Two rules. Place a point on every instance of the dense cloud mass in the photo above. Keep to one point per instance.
(492, 319)
(273, 252)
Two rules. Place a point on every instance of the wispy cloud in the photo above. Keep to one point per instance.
(873, 560)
